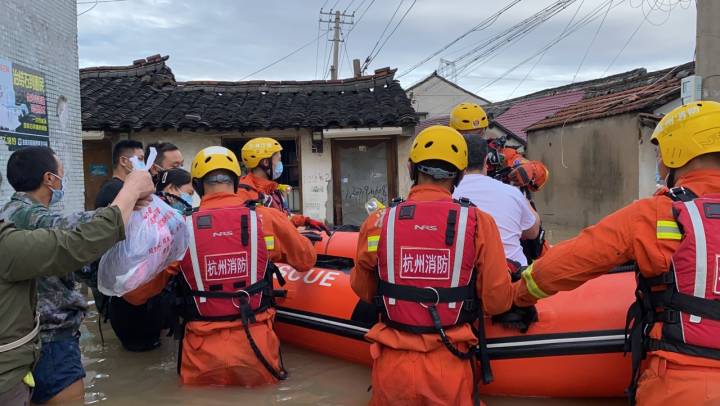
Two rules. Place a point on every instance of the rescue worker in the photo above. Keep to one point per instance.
(229, 337)
(38, 177)
(673, 239)
(423, 348)
(263, 160)
(61, 250)
(507, 166)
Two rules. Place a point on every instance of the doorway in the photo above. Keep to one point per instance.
(97, 166)
(362, 169)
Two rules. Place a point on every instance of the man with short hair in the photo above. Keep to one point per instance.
(60, 251)
(168, 157)
(512, 212)
(38, 178)
(137, 327)
(122, 166)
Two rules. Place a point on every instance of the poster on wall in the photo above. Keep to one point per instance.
(23, 106)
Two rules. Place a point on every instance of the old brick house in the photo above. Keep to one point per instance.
(344, 140)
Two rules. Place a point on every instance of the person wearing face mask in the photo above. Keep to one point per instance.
(263, 160)
(38, 178)
(138, 327)
(175, 187)
(168, 157)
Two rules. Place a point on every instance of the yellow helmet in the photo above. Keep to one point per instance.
(258, 149)
(468, 116)
(213, 158)
(442, 143)
(687, 132)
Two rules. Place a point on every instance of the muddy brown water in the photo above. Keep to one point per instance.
(119, 377)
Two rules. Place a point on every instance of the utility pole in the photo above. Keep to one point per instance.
(707, 59)
(338, 21)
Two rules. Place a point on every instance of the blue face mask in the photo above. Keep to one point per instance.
(277, 170)
(187, 198)
(57, 194)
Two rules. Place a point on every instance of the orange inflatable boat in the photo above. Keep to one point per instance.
(574, 350)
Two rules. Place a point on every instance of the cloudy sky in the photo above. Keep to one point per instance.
(232, 39)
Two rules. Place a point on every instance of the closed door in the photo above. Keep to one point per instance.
(361, 170)
(97, 165)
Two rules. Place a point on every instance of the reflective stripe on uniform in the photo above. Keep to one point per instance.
(459, 250)
(668, 230)
(253, 246)
(373, 242)
(700, 255)
(532, 287)
(390, 248)
(270, 242)
(194, 258)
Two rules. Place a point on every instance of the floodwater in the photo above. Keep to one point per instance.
(119, 377)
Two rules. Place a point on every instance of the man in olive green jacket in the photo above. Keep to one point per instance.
(26, 255)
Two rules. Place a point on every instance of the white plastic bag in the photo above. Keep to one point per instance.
(155, 237)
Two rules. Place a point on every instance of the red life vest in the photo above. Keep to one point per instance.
(686, 299)
(226, 263)
(426, 261)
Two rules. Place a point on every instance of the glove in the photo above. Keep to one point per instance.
(519, 318)
(318, 225)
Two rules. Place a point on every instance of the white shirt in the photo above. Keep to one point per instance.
(506, 204)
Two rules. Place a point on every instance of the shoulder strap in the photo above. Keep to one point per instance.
(681, 194)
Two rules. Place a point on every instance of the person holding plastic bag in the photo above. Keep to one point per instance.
(229, 337)
(156, 237)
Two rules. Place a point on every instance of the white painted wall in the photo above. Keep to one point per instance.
(190, 143)
(436, 97)
(316, 180)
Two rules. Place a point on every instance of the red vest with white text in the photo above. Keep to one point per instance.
(426, 258)
(226, 263)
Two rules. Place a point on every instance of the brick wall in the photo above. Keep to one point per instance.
(42, 34)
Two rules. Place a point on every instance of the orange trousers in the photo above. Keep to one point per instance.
(404, 378)
(218, 353)
(665, 383)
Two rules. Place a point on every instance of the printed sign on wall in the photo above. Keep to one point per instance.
(23, 106)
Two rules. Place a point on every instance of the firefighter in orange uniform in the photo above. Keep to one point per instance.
(426, 262)
(263, 160)
(674, 238)
(227, 273)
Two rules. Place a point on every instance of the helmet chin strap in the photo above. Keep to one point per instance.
(670, 179)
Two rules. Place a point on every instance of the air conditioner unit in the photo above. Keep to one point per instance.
(691, 89)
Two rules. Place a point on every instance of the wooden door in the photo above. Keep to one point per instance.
(97, 166)
(362, 169)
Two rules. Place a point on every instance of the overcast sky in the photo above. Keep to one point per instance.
(230, 39)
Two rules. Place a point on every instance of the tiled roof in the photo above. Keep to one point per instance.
(146, 95)
(647, 92)
(528, 112)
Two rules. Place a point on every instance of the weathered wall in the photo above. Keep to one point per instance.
(593, 168)
(648, 181)
(42, 35)
(403, 151)
(437, 98)
(316, 180)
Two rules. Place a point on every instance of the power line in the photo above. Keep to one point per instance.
(377, 43)
(483, 24)
(577, 10)
(587, 50)
(576, 26)
(624, 46)
(307, 44)
(372, 57)
(89, 9)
